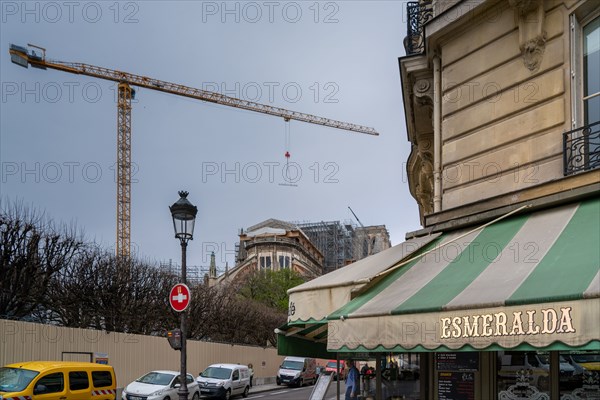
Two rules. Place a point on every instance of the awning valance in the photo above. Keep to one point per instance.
(311, 302)
(529, 279)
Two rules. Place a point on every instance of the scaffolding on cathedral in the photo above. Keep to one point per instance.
(195, 274)
(334, 239)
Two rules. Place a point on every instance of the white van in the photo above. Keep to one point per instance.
(224, 381)
(297, 371)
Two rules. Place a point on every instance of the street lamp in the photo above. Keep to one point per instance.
(184, 217)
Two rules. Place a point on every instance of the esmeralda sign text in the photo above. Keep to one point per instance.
(529, 322)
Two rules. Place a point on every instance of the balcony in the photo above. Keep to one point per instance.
(419, 13)
(581, 149)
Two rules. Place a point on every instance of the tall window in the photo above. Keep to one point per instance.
(591, 72)
(265, 262)
(284, 262)
(591, 90)
(582, 142)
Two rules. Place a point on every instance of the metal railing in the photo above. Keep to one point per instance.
(419, 13)
(581, 149)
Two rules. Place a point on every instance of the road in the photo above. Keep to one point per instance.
(292, 393)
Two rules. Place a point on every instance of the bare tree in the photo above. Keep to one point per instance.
(221, 314)
(32, 251)
(105, 292)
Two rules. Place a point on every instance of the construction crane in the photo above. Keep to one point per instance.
(370, 244)
(360, 223)
(25, 57)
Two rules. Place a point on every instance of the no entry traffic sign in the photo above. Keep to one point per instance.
(179, 297)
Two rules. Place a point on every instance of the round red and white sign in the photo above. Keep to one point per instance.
(179, 297)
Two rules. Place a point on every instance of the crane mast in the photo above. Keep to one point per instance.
(25, 57)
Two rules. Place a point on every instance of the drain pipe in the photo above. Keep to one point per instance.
(437, 134)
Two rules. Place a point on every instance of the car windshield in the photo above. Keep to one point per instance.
(15, 379)
(288, 364)
(333, 364)
(156, 378)
(216, 373)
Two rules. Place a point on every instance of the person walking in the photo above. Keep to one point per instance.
(251, 373)
(352, 381)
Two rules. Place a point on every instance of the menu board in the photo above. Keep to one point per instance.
(320, 388)
(456, 386)
(466, 361)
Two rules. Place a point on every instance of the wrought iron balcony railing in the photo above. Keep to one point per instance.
(418, 12)
(581, 149)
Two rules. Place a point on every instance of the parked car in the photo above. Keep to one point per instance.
(224, 381)
(160, 385)
(297, 371)
(57, 379)
(588, 361)
(331, 369)
(535, 366)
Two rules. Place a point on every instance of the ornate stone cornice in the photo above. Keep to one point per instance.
(532, 37)
(423, 91)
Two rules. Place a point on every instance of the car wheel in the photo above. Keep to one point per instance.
(245, 394)
(277, 381)
(227, 395)
(196, 396)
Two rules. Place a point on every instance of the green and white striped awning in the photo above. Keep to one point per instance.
(303, 340)
(528, 280)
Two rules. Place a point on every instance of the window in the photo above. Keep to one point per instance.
(591, 72)
(284, 261)
(78, 380)
(52, 383)
(101, 378)
(579, 376)
(265, 262)
(523, 372)
(582, 142)
(591, 90)
(236, 375)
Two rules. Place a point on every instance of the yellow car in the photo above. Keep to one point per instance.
(57, 380)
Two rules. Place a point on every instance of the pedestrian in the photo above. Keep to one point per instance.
(251, 372)
(352, 381)
(363, 374)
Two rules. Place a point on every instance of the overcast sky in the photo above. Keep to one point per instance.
(332, 59)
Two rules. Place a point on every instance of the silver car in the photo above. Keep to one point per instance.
(160, 385)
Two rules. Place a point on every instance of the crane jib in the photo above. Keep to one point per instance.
(29, 56)
(24, 57)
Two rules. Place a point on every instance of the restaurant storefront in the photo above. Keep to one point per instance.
(509, 310)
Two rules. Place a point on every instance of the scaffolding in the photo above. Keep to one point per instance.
(195, 273)
(334, 239)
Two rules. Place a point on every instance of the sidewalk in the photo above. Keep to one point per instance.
(267, 387)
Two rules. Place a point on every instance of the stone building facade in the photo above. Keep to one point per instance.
(273, 245)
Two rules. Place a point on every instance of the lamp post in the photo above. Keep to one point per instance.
(184, 217)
